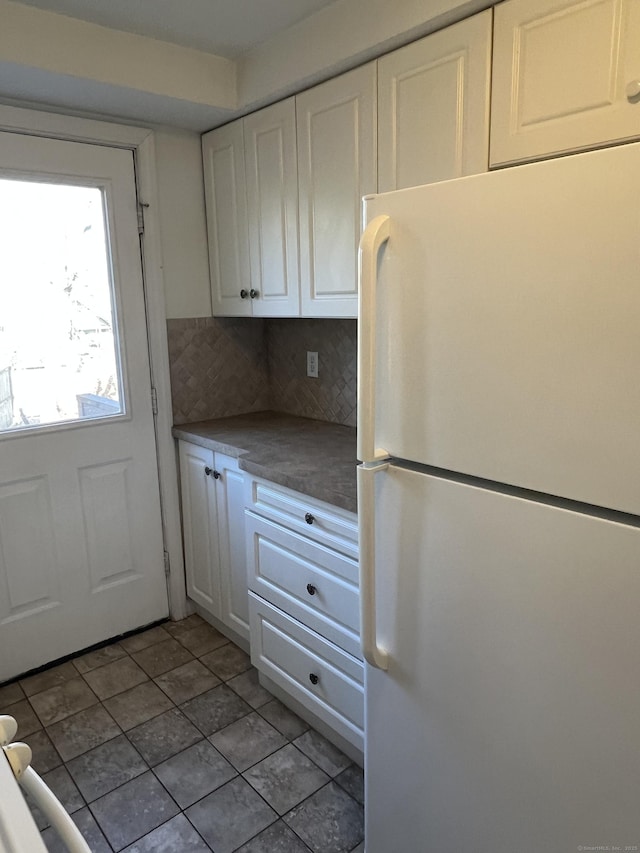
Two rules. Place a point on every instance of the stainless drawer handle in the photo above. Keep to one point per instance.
(311, 589)
(309, 518)
(313, 678)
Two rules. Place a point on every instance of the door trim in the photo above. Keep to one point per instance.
(142, 142)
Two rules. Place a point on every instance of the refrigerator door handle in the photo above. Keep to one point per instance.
(373, 653)
(374, 237)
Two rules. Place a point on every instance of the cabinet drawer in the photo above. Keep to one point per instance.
(329, 525)
(290, 654)
(314, 584)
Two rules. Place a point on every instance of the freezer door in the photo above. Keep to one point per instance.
(508, 717)
(508, 311)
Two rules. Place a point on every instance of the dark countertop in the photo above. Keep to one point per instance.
(313, 457)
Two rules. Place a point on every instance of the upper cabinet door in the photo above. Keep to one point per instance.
(566, 75)
(272, 188)
(336, 161)
(228, 236)
(433, 96)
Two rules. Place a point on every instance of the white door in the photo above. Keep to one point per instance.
(566, 75)
(272, 193)
(228, 235)
(81, 549)
(231, 545)
(511, 701)
(507, 313)
(337, 166)
(433, 116)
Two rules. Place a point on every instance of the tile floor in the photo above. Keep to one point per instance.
(166, 742)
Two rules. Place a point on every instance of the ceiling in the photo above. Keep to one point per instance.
(223, 27)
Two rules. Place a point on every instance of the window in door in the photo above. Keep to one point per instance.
(59, 353)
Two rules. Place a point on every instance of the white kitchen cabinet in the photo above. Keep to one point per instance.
(566, 76)
(304, 604)
(227, 230)
(214, 536)
(433, 106)
(336, 124)
(272, 199)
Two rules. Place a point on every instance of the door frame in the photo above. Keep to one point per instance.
(141, 141)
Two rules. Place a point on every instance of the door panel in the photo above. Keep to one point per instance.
(81, 549)
(508, 312)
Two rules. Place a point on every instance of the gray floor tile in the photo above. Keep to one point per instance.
(92, 660)
(56, 703)
(230, 816)
(215, 709)
(10, 693)
(81, 732)
(138, 642)
(45, 755)
(327, 756)
(201, 639)
(285, 778)
(175, 836)
(186, 681)
(87, 825)
(227, 661)
(138, 705)
(248, 686)
(164, 736)
(194, 773)
(65, 790)
(133, 810)
(116, 677)
(283, 719)
(162, 657)
(352, 780)
(25, 716)
(49, 678)
(277, 838)
(330, 821)
(184, 625)
(106, 767)
(248, 741)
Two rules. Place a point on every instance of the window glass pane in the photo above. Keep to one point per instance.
(59, 358)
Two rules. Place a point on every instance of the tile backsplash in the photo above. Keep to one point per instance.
(228, 366)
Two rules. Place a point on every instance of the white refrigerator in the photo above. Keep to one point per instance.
(499, 505)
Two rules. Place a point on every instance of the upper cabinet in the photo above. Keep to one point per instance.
(336, 167)
(272, 204)
(566, 76)
(433, 106)
(228, 237)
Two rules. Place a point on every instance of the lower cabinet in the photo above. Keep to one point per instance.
(304, 605)
(214, 536)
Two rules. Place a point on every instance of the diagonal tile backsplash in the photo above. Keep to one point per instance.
(229, 366)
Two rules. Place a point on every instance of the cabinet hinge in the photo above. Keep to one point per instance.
(167, 564)
(141, 207)
(154, 401)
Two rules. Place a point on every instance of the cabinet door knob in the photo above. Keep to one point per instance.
(313, 678)
(208, 471)
(243, 294)
(309, 518)
(216, 475)
(253, 293)
(311, 589)
(633, 90)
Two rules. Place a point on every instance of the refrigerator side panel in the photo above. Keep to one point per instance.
(508, 309)
(508, 717)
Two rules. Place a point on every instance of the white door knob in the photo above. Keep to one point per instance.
(633, 90)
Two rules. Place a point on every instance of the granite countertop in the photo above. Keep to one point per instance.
(313, 457)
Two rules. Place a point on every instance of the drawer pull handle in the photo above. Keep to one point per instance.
(311, 589)
(313, 678)
(309, 518)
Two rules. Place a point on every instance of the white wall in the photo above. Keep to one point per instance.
(182, 223)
